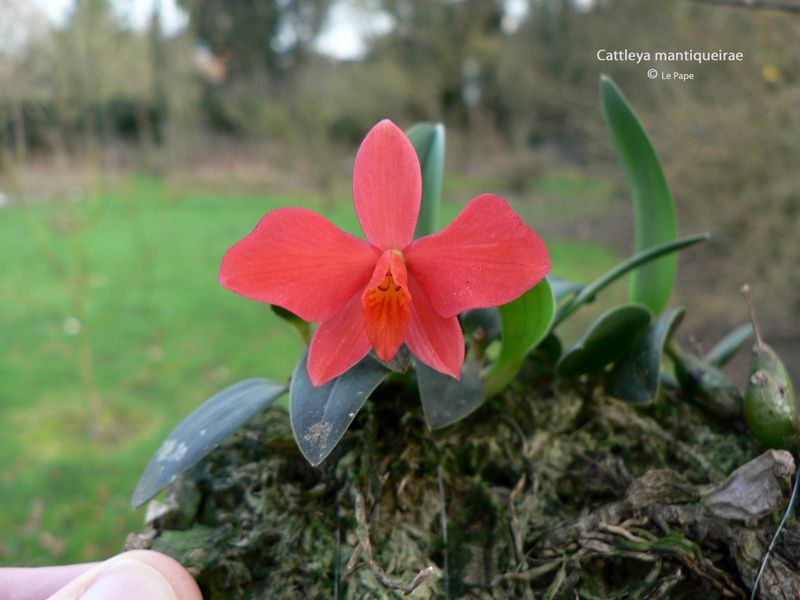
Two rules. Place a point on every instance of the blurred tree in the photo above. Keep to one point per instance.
(75, 77)
(451, 48)
(92, 82)
(18, 23)
(257, 37)
(263, 46)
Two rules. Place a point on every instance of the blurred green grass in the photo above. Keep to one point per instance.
(113, 328)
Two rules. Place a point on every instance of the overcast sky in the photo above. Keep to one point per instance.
(344, 36)
(135, 12)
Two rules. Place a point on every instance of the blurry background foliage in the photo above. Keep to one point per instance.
(130, 159)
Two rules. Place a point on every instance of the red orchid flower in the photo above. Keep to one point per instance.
(390, 289)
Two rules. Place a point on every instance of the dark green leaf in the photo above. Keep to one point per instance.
(445, 399)
(637, 376)
(562, 288)
(590, 291)
(728, 346)
(203, 430)
(484, 320)
(428, 141)
(303, 328)
(400, 362)
(321, 415)
(707, 386)
(609, 338)
(526, 321)
(549, 349)
(654, 213)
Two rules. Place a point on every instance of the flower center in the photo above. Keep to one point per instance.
(386, 305)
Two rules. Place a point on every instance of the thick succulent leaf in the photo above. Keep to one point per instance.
(303, 328)
(563, 288)
(526, 321)
(637, 376)
(707, 386)
(654, 213)
(201, 432)
(549, 349)
(428, 140)
(445, 399)
(728, 346)
(487, 320)
(609, 338)
(401, 361)
(321, 415)
(588, 293)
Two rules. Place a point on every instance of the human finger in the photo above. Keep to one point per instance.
(131, 576)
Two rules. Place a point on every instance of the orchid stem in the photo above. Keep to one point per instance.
(623, 268)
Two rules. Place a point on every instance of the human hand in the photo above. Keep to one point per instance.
(138, 574)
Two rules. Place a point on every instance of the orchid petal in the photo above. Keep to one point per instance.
(338, 343)
(386, 305)
(387, 187)
(486, 257)
(299, 260)
(436, 341)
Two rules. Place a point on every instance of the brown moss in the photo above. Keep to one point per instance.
(529, 497)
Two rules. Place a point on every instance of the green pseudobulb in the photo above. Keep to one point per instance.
(770, 406)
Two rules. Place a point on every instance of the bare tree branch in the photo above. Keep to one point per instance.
(757, 4)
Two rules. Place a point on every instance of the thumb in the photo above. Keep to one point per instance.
(132, 576)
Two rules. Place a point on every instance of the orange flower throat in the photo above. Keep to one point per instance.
(386, 306)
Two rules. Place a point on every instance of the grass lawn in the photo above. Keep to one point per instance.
(113, 328)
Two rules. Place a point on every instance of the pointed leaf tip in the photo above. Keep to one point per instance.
(608, 338)
(445, 399)
(654, 213)
(203, 430)
(636, 377)
(429, 142)
(321, 415)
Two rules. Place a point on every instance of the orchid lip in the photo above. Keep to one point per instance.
(386, 305)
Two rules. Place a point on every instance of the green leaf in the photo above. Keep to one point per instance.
(525, 321)
(588, 293)
(428, 141)
(549, 350)
(636, 378)
(400, 363)
(707, 386)
(321, 415)
(654, 213)
(609, 338)
(303, 328)
(201, 432)
(487, 320)
(728, 346)
(445, 399)
(563, 288)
